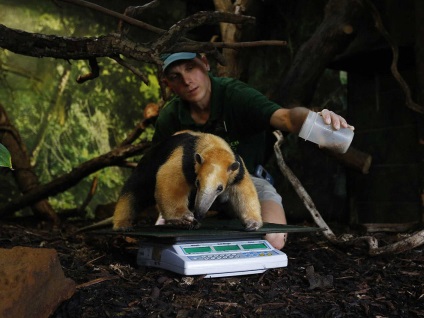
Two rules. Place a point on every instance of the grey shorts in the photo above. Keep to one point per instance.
(266, 192)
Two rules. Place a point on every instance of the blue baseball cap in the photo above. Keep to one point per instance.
(168, 59)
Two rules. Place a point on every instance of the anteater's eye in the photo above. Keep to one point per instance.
(220, 188)
(197, 184)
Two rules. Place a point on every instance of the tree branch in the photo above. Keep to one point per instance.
(68, 180)
(393, 67)
(95, 71)
(111, 45)
(115, 14)
(40, 45)
(132, 68)
(178, 30)
(134, 11)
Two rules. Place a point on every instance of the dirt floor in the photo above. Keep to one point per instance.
(321, 280)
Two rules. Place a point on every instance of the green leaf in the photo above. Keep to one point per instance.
(5, 159)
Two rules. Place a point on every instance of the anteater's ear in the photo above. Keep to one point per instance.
(234, 166)
(199, 158)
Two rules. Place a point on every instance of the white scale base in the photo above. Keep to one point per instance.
(213, 258)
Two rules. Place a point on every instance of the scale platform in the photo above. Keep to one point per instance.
(217, 249)
(213, 259)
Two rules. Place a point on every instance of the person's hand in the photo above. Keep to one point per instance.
(335, 120)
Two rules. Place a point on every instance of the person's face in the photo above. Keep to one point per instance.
(189, 79)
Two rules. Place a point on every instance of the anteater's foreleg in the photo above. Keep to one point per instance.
(244, 202)
(172, 192)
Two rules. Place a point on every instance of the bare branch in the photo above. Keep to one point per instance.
(178, 30)
(413, 241)
(70, 179)
(133, 69)
(301, 192)
(134, 11)
(95, 70)
(395, 51)
(406, 244)
(90, 194)
(115, 14)
(23, 73)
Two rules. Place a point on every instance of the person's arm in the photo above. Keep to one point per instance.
(291, 120)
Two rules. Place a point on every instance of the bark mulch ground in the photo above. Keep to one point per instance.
(321, 280)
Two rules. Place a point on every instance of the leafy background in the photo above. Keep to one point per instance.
(61, 122)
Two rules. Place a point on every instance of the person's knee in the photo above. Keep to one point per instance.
(277, 240)
(273, 212)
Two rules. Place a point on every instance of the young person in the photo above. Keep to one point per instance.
(234, 111)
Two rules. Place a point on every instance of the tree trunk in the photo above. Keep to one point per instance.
(230, 33)
(331, 38)
(23, 173)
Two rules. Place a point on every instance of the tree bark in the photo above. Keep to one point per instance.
(41, 45)
(230, 33)
(23, 173)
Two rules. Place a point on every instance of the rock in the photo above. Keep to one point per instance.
(32, 282)
(318, 281)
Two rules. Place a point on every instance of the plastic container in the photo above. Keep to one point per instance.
(316, 130)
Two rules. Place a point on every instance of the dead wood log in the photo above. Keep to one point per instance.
(406, 244)
(353, 158)
(389, 227)
(411, 242)
(23, 173)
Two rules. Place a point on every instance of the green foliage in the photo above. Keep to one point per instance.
(5, 159)
(64, 128)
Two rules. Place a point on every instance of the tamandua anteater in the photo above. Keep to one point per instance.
(185, 165)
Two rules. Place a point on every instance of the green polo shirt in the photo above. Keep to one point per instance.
(239, 114)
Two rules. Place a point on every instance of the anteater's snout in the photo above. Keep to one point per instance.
(203, 202)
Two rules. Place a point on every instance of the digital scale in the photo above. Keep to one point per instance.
(213, 259)
(216, 249)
